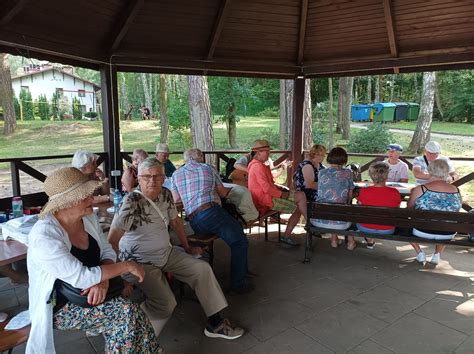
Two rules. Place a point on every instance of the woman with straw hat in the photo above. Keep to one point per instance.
(67, 245)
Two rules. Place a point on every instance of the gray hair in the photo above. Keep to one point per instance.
(139, 153)
(193, 154)
(150, 162)
(82, 158)
(439, 168)
(378, 171)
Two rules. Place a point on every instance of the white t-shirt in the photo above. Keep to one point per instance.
(397, 172)
(421, 162)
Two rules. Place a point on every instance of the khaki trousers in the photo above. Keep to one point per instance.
(160, 301)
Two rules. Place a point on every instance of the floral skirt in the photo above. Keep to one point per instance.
(125, 328)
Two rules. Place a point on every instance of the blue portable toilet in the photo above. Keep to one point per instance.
(360, 112)
(384, 112)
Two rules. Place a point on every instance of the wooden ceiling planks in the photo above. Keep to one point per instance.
(238, 36)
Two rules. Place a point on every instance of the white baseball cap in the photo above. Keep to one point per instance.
(433, 147)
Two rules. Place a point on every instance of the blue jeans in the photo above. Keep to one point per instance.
(217, 221)
(375, 231)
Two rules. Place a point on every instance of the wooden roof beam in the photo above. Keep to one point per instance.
(387, 9)
(302, 33)
(123, 25)
(8, 13)
(217, 28)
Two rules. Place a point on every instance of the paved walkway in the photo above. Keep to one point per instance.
(365, 301)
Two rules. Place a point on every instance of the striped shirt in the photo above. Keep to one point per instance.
(196, 185)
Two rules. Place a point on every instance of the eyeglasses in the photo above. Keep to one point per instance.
(150, 177)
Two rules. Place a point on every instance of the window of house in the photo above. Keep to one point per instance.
(81, 93)
(25, 88)
(60, 91)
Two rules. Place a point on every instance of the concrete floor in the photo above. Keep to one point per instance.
(364, 301)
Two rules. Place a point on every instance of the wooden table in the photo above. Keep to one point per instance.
(11, 251)
(403, 188)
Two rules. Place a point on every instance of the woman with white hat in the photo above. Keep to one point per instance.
(67, 247)
(86, 162)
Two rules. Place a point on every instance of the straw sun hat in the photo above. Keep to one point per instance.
(260, 144)
(67, 187)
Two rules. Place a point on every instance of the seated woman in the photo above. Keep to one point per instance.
(67, 245)
(129, 178)
(335, 186)
(378, 195)
(86, 162)
(437, 194)
(306, 175)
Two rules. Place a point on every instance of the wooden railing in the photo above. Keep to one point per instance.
(35, 199)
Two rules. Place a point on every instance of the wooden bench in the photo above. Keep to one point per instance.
(204, 240)
(13, 338)
(404, 219)
(263, 219)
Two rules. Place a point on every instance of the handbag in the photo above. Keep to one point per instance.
(74, 296)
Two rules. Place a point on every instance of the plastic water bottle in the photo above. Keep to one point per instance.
(117, 200)
(17, 207)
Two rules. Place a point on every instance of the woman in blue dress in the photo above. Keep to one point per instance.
(437, 194)
(335, 186)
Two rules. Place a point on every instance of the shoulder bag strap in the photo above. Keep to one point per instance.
(165, 220)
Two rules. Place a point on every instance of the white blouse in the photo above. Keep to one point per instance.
(49, 258)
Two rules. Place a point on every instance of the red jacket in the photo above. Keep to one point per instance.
(261, 186)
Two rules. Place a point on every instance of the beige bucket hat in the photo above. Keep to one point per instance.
(67, 187)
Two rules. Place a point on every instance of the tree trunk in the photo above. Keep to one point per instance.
(392, 86)
(286, 112)
(330, 116)
(200, 115)
(232, 125)
(345, 101)
(164, 123)
(438, 99)
(369, 89)
(6, 96)
(146, 91)
(124, 96)
(307, 117)
(423, 125)
(377, 89)
(283, 115)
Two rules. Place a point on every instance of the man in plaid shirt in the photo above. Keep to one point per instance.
(199, 187)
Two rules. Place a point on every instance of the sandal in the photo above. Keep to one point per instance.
(288, 241)
(351, 246)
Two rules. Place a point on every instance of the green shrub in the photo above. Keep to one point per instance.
(181, 135)
(28, 108)
(320, 136)
(272, 136)
(91, 114)
(269, 112)
(374, 139)
(76, 108)
(43, 107)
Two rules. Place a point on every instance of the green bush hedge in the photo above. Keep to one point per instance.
(374, 139)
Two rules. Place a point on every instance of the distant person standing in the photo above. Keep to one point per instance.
(432, 153)
(398, 170)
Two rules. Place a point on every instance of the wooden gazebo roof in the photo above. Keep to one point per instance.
(274, 38)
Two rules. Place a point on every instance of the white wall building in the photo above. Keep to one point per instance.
(46, 80)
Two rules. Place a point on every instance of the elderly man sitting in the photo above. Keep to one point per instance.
(432, 153)
(266, 195)
(86, 162)
(163, 155)
(199, 187)
(140, 233)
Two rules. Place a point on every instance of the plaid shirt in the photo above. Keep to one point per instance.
(196, 184)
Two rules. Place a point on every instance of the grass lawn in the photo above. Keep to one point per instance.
(42, 138)
(439, 127)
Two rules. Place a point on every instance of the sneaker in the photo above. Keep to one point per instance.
(370, 245)
(288, 241)
(421, 257)
(435, 258)
(224, 330)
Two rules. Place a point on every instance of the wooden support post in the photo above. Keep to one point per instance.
(297, 132)
(15, 179)
(111, 122)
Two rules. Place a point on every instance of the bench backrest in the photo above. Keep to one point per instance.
(399, 217)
